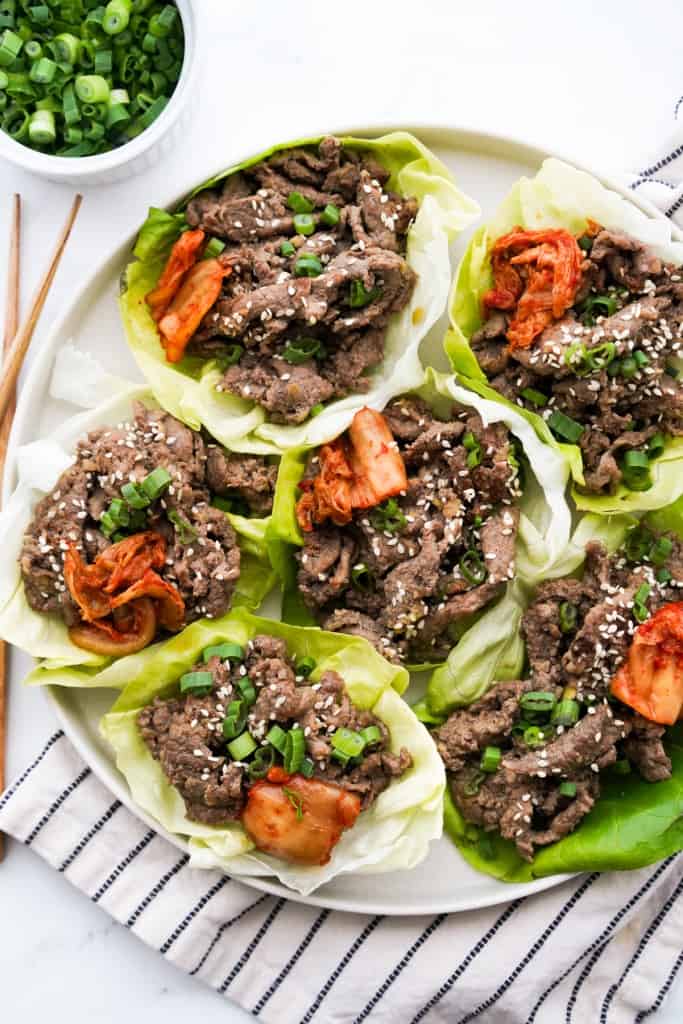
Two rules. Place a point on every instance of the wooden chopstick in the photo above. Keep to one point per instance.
(11, 321)
(19, 346)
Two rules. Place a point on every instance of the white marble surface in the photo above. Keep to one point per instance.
(598, 81)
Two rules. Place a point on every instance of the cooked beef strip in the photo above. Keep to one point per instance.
(522, 799)
(416, 591)
(618, 414)
(265, 305)
(185, 733)
(249, 476)
(204, 571)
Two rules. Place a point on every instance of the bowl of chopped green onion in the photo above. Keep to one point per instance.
(93, 91)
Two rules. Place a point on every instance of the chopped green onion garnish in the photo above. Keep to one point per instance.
(116, 16)
(185, 531)
(304, 224)
(305, 666)
(641, 359)
(277, 738)
(41, 127)
(472, 567)
(568, 614)
(226, 652)
(135, 495)
(240, 748)
(247, 690)
(388, 516)
(655, 446)
(565, 427)
(43, 71)
(231, 356)
(663, 576)
(660, 551)
(156, 482)
(359, 296)
(347, 743)
(472, 786)
(316, 410)
(597, 305)
(92, 89)
(66, 47)
(361, 577)
(213, 248)
(330, 215)
(299, 203)
(628, 367)
(533, 736)
(233, 723)
(295, 749)
(535, 397)
(10, 45)
(307, 767)
(301, 350)
(261, 763)
(296, 800)
(566, 713)
(308, 265)
(371, 735)
(568, 789)
(490, 759)
(198, 683)
(287, 249)
(538, 701)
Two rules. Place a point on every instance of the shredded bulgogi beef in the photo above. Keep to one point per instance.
(629, 310)
(185, 734)
(202, 555)
(403, 575)
(577, 634)
(334, 287)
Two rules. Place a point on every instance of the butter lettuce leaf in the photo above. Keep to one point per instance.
(394, 834)
(188, 389)
(39, 466)
(560, 196)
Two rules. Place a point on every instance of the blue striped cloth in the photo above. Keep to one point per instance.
(599, 948)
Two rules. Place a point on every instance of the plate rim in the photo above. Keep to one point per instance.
(461, 136)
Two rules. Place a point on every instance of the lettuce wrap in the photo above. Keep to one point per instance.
(39, 466)
(543, 536)
(393, 834)
(634, 823)
(187, 389)
(560, 196)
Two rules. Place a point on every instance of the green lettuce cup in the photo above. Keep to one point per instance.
(542, 539)
(45, 635)
(394, 833)
(187, 389)
(560, 196)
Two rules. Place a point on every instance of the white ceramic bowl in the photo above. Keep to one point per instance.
(136, 155)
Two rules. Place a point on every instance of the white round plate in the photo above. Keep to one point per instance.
(485, 167)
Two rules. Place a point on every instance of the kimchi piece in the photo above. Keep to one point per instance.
(355, 472)
(199, 290)
(122, 575)
(536, 276)
(298, 819)
(651, 679)
(183, 256)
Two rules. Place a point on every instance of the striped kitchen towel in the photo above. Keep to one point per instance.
(597, 948)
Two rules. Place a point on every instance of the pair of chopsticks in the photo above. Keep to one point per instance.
(16, 342)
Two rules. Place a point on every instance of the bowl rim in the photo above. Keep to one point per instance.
(67, 167)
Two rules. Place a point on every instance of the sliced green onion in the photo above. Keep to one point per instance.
(538, 701)
(628, 367)
(330, 215)
(359, 296)
(156, 482)
(308, 265)
(299, 203)
(119, 510)
(10, 46)
(663, 576)
(388, 517)
(636, 460)
(41, 128)
(347, 743)
(473, 785)
(638, 543)
(307, 767)
(43, 71)
(103, 62)
(597, 305)
(261, 763)
(568, 614)
(240, 748)
(296, 800)
(305, 666)
(536, 398)
(490, 759)
(371, 735)
(568, 789)
(301, 350)
(655, 446)
(566, 713)
(117, 114)
(72, 113)
(32, 49)
(565, 426)
(636, 471)
(152, 113)
(41, 13)
(472, 567)
(233, 723)
(198, 683)
(116, 16)
(295, 749)
(161, 24)
(231, 356)
(316, 410)
(641, 359)
(66, 47)
(277, 738)
(660, 551)
(226, 652)
(214, 247)
(247, 690)
(361, 577)
(287, 249)
(108, 524)
(118, 96)
(304, 224)
(534, 737)
(186, 532)
(92, 88)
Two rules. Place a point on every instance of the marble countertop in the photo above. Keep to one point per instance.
(596, 81)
